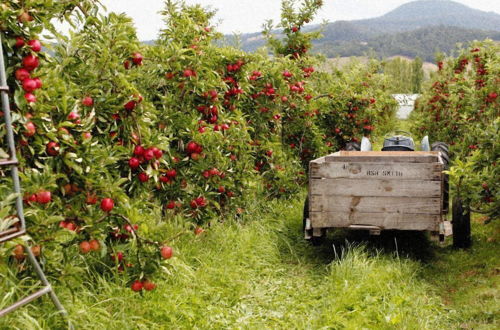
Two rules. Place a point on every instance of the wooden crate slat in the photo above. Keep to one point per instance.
(382, 220)
(375, 204)
(375, 187)
(384, 156)
(357, 170)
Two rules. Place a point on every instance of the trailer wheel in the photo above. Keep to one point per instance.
(353, 146)
(461, 224)
(443, 148)
(315, 241)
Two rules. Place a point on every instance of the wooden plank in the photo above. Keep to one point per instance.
(375, 187)
(357, 170)
(384, 156)
(403, 205)
(382, 220)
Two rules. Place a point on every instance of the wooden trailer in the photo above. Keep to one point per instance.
(376, 190)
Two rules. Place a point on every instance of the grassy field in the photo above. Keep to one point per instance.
(261, 274)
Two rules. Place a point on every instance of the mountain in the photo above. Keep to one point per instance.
(423, 13)
(418, 28)
(423, 42)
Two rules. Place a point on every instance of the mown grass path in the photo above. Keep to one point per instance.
(261, 274)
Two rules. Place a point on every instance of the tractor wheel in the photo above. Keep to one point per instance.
(443, 147)
(316, 241)
(353, 146)
(461, 224)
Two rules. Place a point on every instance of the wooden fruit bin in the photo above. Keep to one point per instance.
(376, 190)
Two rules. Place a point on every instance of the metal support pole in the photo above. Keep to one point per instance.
(10, 234)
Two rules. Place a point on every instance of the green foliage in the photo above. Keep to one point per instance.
(460, 106)
(406, 75)
(222, 127)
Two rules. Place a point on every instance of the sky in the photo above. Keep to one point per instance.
(243, 16)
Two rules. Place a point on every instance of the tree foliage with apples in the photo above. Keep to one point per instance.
(461, 107)
(116, 138)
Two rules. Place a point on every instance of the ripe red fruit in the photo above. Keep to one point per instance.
(52, 148)
(166, 252)
(43, 197)
(198, 231)
(136, 286)
(86, 135)
(143, 177)
(30, 98)
(138, 150)
(188, 73)
(22, 74)
(171, 205)
(148, 286)
(91, 199)
(95, 245)
(295, 29)
(19, 42)
(134, 163)
(137, 58)
(71, 226)
(221, 189)
(118, 256)
(29, 85)
(30, 62)
(107, 204)
(30, 129)
(88, 101)
(84, 247)
(130, 105)
(165, 179)
(171, 173)
(269, 153)
(157, 153)
(149, 154)
(35, 45)
(24, 17)
(38, 82)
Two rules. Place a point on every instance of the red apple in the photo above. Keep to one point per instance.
(30, 129)
(43, 197)
(107, 204)
(35, 45)
(29, 85)
(137, 286)
(52, 148)
(30, 98)
(148, 285)
(137, 58)
(134, 163)
(88, 101)
(22, 74)
(143, 177)
(166, 252)
(30, 62)
(19, 42)
(85, 247)
(95, 245)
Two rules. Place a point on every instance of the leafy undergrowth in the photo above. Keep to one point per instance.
(261, 274)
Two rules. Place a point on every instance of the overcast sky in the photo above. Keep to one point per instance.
(248, 15)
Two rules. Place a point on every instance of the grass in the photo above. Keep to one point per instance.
(261, 274)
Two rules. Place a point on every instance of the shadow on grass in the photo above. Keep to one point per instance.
(414, 245)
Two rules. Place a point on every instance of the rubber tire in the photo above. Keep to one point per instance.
(461, 225)
(443, 147)
(314, 240)
(353, 146)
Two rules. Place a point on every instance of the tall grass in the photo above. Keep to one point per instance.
(260, 274)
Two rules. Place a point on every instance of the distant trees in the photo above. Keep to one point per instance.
(406, 75)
